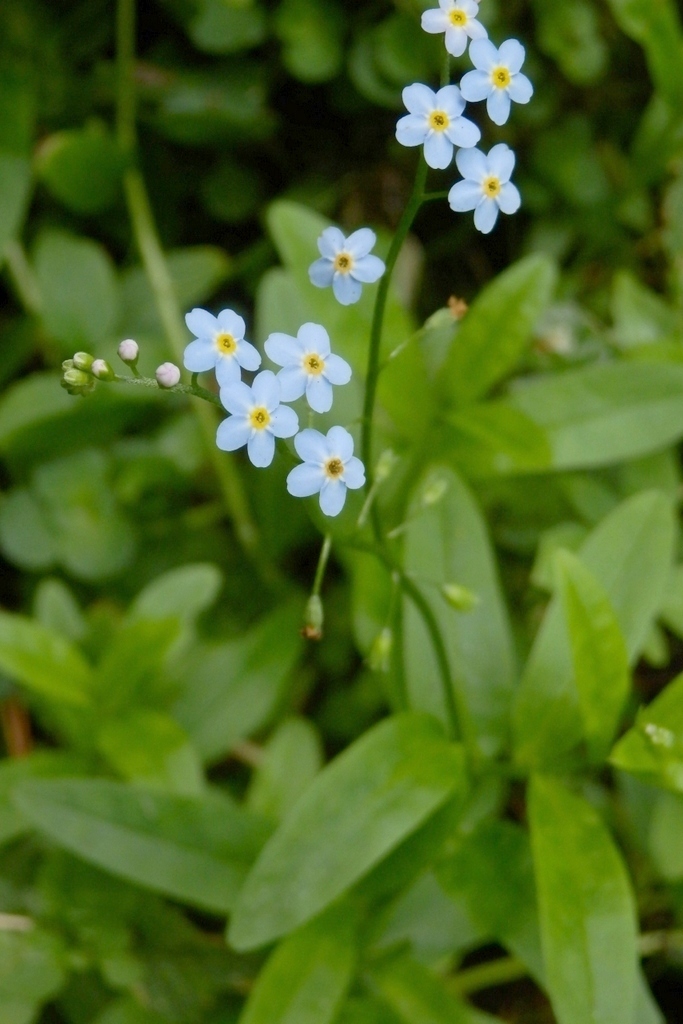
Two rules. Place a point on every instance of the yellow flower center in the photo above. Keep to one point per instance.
(501, 77)
(492, 187)
(439, 120)
(314, 364)
(334, 467)
(343, 263)
(458, 18)
(225, 343)
(259, 417)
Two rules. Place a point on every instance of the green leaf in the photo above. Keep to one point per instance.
(657, 27)
(39, 764)
(640, 315)
(306, 978)
(233, 689)
(446, 542)
(360, 808)
(312, 35)
(496, 330)
(629, 554)
(598, 651)
(15, 187)
(32, 969)
(43, 661)
(56, 607)
(586, 907)
(495, 439)
(196, 850)
(82, 168)
(182, 593)
(653, 748)
(25, 535)
(665, 839)
(291, 759)
(219, 27)
(417, 996)
(150, 747)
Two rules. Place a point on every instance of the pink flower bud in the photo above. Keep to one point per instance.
(102, 370)
(167, 375)
(129, 351)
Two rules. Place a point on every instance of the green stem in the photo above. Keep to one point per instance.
(322, 566)
(178, 389)
(372, 375)
(161, 283)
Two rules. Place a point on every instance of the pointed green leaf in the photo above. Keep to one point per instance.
(43, 661)
(357, 810)
(196, 850)
(181, 593)
(653, 748)
(586, 907)
(307, 977)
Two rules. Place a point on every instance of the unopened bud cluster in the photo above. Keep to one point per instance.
(81, 373)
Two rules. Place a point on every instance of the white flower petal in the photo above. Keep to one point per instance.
(283, 349)
(247, 356)
(501, 161)
(292, 383)
(202, 323)
(512, 55)
(227, 370)
(337, 370)
(314, 338)
(266, 390)
(472, 164)
(456, 40)
(438, 150)
(520, 89)
(418, 99)
(463, 133)
(368, 269)
(284, 422)
(321, 272)
(464, 196)
(476, 85)
(361, 242)
(312, 446)
(470, 7)
(305, 480)
(434, 21)
(319, 394)
(484, 55)
(233, 433)
(346, 289)
(509, 199)
(237, 398)
(498, 106)
(331, 242)
(200, 355)
(354, 473)
(261, 448)
(475, 30)
(486, 215)
(340, 443)
(231, 323)
(449, 99)
(332, 496)
(411, 130)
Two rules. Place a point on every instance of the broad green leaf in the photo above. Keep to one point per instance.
(306, 978)
(220, 27)
(357, 810)
(181, 593)
(419, 997)
(646, 1010)
(629, 554)
(492, 873)
(56, 607)
(496, 330)
(39, 764)
(569, 31)
(150, 747)
(43, 661)
(81, 168)
(25, 535)
(291, 759)
(598, 653)
(657, 27)
(131, 670)
(311, 32)
(653, 748)
(665, 839)
(15, 186)
(586, 909)
(640, 315)
(233, 689)
(446, 542)
(32, 969)
(196, 850)
(495, 439)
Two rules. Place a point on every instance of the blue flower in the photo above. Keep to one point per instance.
(346, 264)
(257, 418)
(307, 366)
(435, 121)
(458, 19)
(219, 342)
(487, 187)
(329, 467)
(497, 78)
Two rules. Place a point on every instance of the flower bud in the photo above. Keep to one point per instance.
(460, 598)
(76, 378)
(385, 464)
(129, 351)
(102, 370)
(83, 361)
(167, 375)
(313, 619)
(379, 658)
(434, 491)
(67, 364)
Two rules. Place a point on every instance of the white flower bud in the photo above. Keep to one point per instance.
(83, 361)
(129, 351)
(102, 370)
(458, 597)
(167, 375)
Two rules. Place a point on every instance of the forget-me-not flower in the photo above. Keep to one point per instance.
(458, 19)
(256, 419)
(219, 342)
(498, 79)
(346, 263)
(329, 467)
(435, 121)
(487, 187)
(308, 365)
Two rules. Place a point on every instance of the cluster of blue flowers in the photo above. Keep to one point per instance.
(435, 119)
(257, 413)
